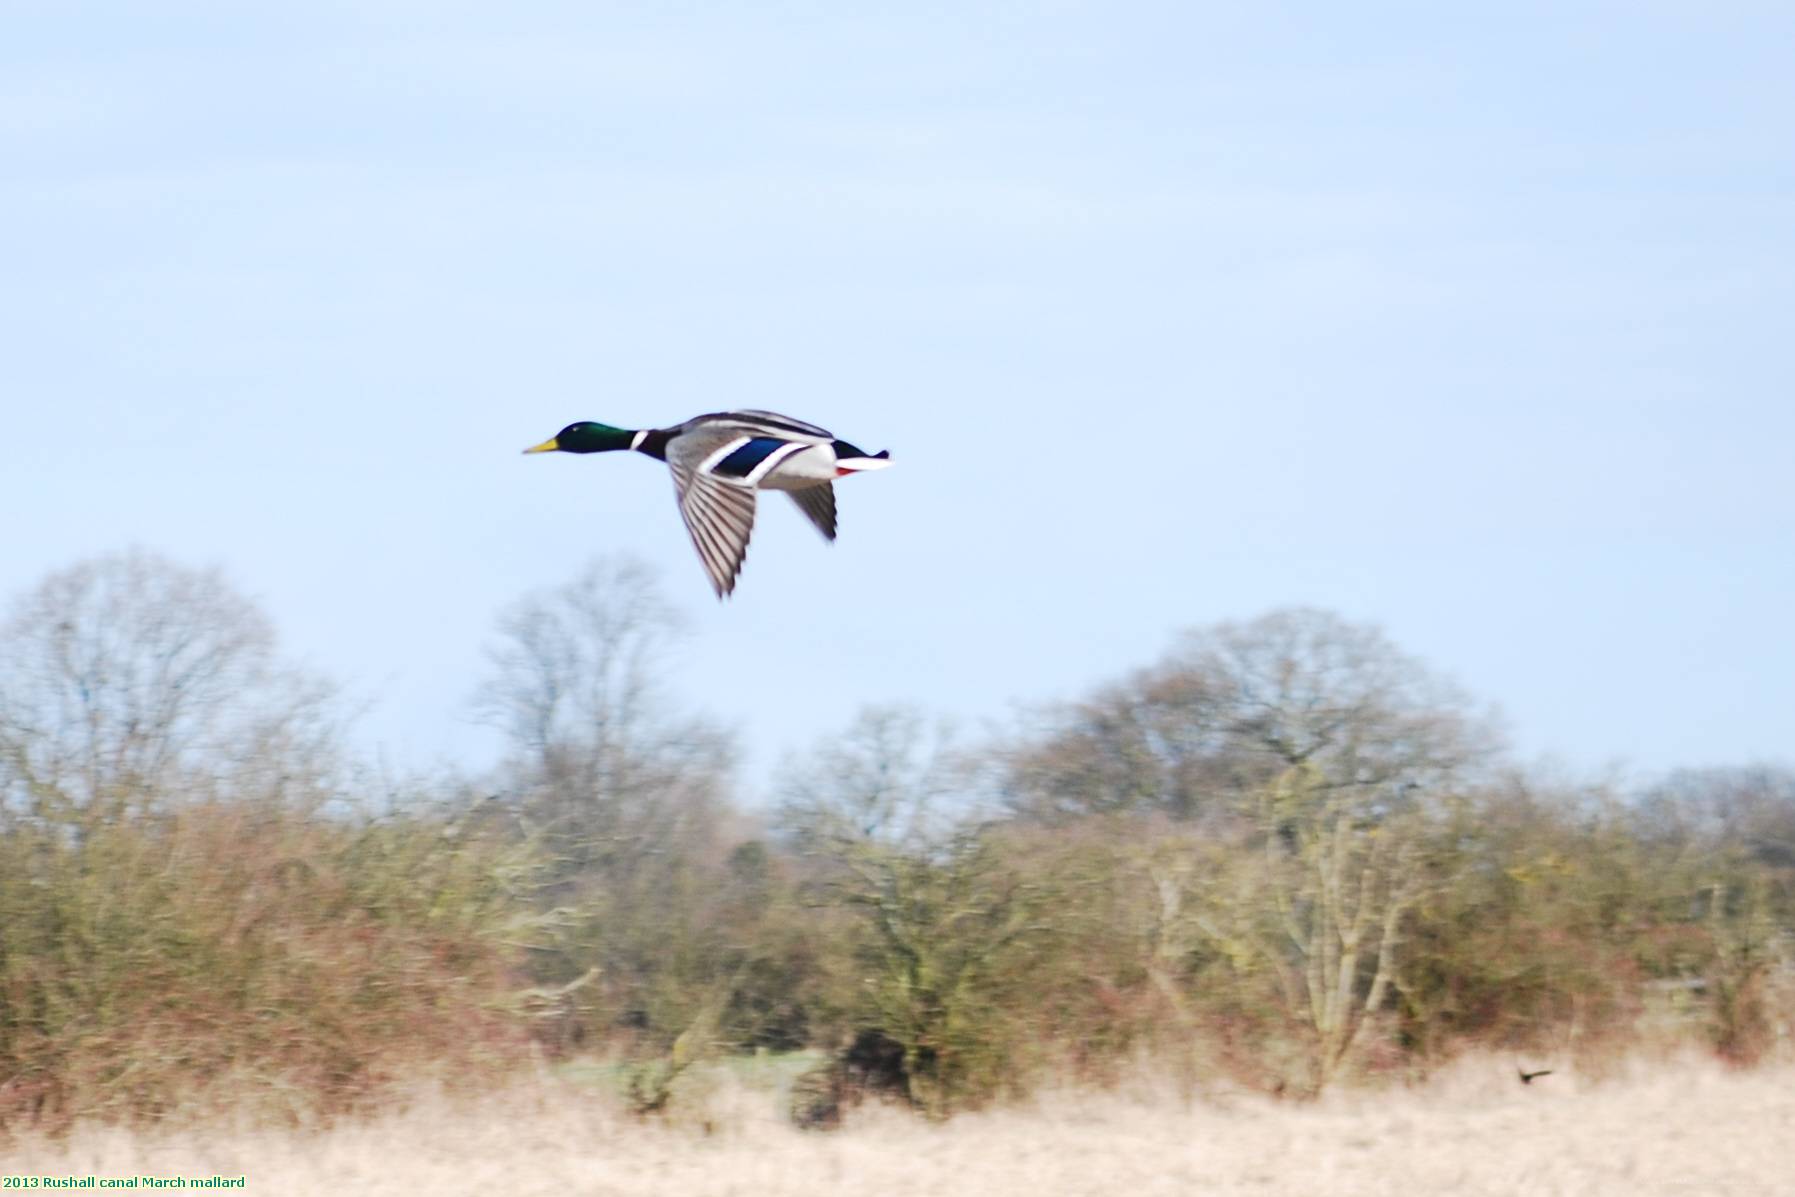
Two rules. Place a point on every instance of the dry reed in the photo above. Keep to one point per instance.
(1681, 1128)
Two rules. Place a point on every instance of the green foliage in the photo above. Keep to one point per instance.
(944, 946)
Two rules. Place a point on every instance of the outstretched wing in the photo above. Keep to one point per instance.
(818, 502)
(720, 517)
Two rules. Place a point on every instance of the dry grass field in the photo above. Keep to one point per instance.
(1677, 1129)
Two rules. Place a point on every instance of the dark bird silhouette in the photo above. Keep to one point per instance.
(1527, 1077)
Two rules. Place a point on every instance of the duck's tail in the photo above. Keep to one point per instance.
(849, 460)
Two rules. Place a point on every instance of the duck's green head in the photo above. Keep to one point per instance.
(585, 437)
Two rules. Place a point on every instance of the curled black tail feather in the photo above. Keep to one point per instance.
(844, 449)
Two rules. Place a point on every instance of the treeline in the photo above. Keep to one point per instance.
(1285, 854)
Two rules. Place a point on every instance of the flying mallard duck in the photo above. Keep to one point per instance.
(719, 460)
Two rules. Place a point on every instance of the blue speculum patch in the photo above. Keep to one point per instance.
(741, 463)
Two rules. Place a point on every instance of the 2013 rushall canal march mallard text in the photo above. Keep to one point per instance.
(27, 1183)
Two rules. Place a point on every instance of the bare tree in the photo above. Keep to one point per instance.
(1306, 687)
(1306, 750)
(573, 678)
(883, 782)
(623, 796)
(127, 676)
(574, 682)
(1157, 742)
(1232, 708)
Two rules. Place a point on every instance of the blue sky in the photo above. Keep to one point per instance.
(1469, 320)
